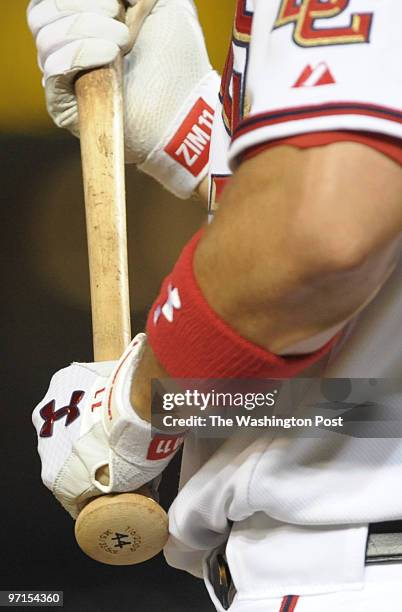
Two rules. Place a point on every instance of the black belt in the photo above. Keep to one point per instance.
(384, 543)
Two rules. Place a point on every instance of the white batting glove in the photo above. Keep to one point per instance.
(171, 89)
(86, 421)
(71, 36)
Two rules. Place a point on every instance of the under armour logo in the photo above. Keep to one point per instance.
(50, 415)
(173, 302)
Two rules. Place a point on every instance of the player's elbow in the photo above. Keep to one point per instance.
(312, 245)
(322, 246)
(335, 207)
(345, 216)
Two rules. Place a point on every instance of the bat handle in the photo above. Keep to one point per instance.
(127, 528)
(131, 527)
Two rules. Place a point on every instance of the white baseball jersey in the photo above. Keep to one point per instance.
(300, 507)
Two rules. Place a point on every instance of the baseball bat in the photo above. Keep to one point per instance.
(126, 528)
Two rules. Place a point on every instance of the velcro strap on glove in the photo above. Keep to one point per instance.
(135, 455)
(180, 161)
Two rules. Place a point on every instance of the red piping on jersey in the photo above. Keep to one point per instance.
(297, 113)
(388, 145)
(289, 603)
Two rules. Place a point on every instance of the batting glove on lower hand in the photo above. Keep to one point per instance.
(86, 422)
(171, 89)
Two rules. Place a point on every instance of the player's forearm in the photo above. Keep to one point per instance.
(297, 253)
(283, 266)
(301, 313)
(294, 328)
(202, 191)
(148, 368)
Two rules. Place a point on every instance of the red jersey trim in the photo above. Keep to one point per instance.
(289, 603)
(315, 110)
(388, 145)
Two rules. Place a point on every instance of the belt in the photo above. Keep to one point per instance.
(384, 545)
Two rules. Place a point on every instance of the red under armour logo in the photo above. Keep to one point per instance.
(50, 415)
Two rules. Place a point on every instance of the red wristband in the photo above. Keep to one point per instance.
(191, 341)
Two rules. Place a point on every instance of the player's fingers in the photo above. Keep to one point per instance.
(82, 27)
(136, 2)
(80, 55)
(135, 17)
(45, 12)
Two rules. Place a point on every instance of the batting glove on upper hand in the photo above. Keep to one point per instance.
(171, 89)
(86, 422)
(71, 36)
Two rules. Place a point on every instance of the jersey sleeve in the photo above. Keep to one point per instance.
(387, 145)
(310, 68)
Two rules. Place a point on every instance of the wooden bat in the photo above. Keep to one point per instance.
(131, 527)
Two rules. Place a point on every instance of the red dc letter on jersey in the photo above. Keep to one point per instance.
(307, 13)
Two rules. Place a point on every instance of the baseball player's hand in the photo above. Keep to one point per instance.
(86, 422)
(166, 73)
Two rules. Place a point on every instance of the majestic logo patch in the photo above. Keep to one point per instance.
(312, 17)
(189, 147)
(314, 77)
(162, 447)
(71, 412)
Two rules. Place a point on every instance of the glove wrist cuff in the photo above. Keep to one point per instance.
(180, 160)
(136, 456)
(116, 401)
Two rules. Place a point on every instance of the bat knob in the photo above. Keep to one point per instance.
(122, 529)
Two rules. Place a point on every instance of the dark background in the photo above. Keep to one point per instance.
(46, 325)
